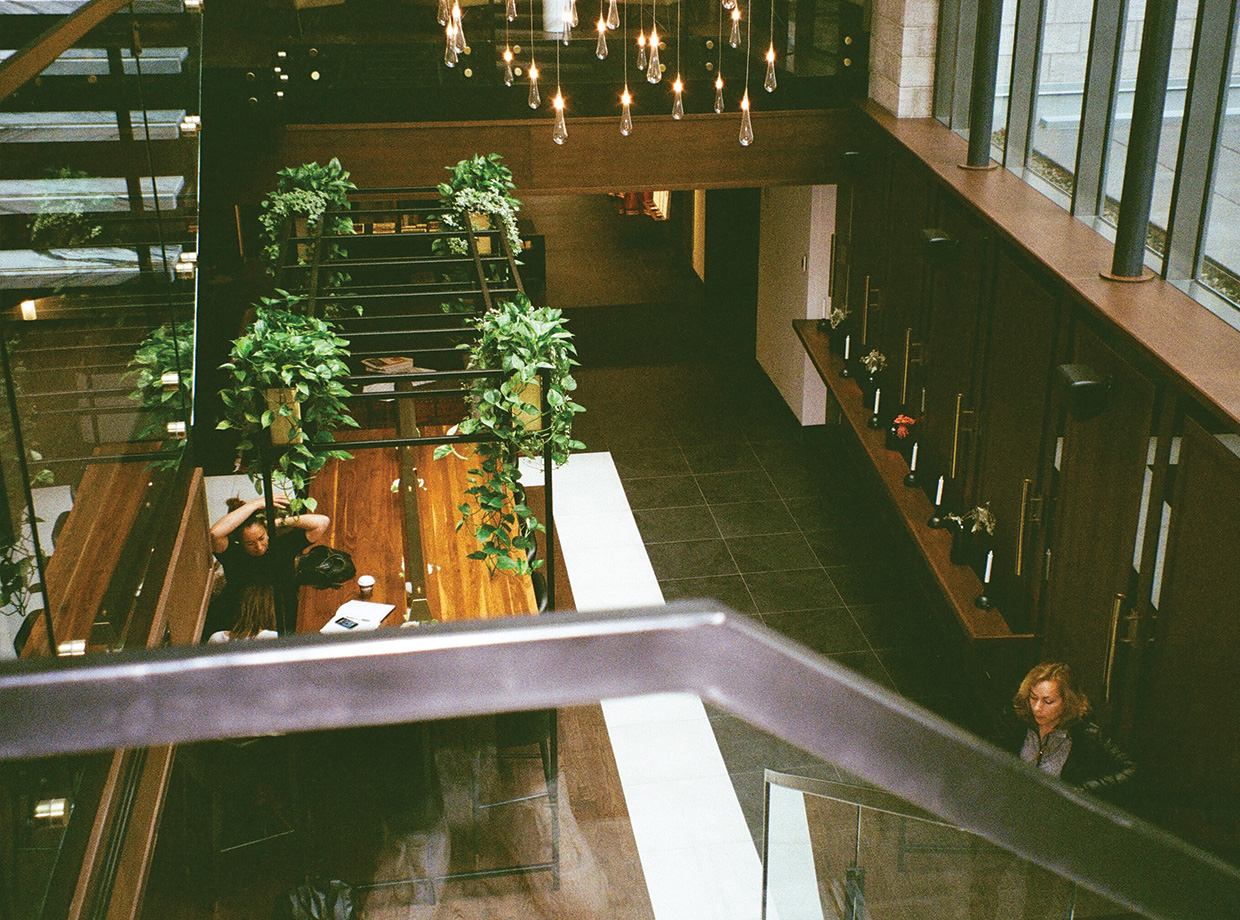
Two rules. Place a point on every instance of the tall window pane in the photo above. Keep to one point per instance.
(1173, 118)
(1003, 79)
(1220, 269)
(1060, 91)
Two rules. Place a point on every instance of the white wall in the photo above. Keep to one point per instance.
(793, 267)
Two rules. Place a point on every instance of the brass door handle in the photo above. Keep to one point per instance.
(1020, 531)
(961, 413)
(831, 271)
(908, 344)
(865, 312)
(1116, 619)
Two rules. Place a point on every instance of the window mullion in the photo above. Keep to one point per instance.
(1025, 52)
(1100, 87)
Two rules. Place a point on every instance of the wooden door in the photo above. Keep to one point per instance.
(1097, 510)
(867, 270)
(1010, 428)
(899, 316)
(951, 343)
(1191, 736)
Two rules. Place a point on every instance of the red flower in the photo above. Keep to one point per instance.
(903, 424)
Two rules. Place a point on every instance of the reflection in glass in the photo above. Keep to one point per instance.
(1220, 268)
(1059, 92)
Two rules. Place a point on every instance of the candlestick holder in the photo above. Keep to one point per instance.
(844, 371)
(982, 602)
(936, 521)
(873, 421)
(910, 480)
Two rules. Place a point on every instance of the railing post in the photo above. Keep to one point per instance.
(985, 73)
(1149, 95)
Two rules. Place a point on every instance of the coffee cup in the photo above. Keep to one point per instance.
(365, 585)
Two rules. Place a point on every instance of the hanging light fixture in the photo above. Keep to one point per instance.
(641, 37)
(449, 54)
(460, 27)
(508, 75)
(510, 11)
(559, 134)
(626, 100)
(746, 137)
(654, 73)
(600, 50)
(735, 38)
(613, 15)
(678, 86)
(445, 10)
(769, 83)
(534, 99)
(719, 65)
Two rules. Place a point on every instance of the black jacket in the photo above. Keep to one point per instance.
(1094, 763)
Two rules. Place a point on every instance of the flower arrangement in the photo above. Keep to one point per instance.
(837, 316)
(903, 425)
(975, 520)
(874, 362)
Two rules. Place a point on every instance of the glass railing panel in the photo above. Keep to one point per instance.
(850, 851)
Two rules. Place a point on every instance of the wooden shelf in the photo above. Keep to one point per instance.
(960, 584)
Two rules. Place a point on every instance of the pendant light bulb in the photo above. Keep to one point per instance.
(613, 15)
(600, 50)
(654, 73)
(460, 28)
(769, 83)
(718, 95)
(641, 50)
(445, 10)
(535, 99)
(735, 38)
(729, 4)
(560, 134)
(626, 115)
(572, 13)
(746, 124)
(510, 12)
(508, 76)
(678, 106)
(449, 54)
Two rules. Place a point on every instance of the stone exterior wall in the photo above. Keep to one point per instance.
(903, 36)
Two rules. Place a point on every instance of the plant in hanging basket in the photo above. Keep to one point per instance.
(521, 342)
(305, 357)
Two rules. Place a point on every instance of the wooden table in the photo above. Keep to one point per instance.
(369, 520)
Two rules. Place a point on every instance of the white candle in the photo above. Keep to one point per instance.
(912, 464)
(990, 561)
(847, 346)
(877, 394)
(938, 496)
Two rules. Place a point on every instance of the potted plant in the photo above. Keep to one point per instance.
(833, 325)
(971, 533)
(522, 342)
(286, 386)
(162, 372)
(303, 194)
(479, 195)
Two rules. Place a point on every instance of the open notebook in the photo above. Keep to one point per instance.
(352, 616)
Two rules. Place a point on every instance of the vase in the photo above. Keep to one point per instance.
(531, 392)
(481, 223)
(282, 426)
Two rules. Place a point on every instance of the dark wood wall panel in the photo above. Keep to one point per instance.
(699, 151)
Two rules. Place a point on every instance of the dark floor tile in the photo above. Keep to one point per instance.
(663, 492)
(802, 589)
(635, 464)
(691, 559)
(875, 583)
(838, 544)
(701, 432)
(802, 484)
(728, 590)
(828, 512)
(752, 518)
(895, 625)
(769, 552)
(925, 672)
(721, 458)
(827, 632)
(670, 525)
(750, 486)
(868, 665)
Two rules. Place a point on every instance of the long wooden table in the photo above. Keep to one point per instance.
(370, 521)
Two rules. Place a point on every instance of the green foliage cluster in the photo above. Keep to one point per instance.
(167, 349)
(307, 191)
(480, 172)
(521, 341)
(283, 349)
(63, 224)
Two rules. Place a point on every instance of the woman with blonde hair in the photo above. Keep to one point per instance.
(1058, 738)
(256, 618)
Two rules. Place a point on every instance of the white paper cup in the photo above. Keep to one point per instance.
(365, 584)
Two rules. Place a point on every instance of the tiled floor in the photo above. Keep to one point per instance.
(736, 502)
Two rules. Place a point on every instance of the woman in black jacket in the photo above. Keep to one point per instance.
(1059, 739)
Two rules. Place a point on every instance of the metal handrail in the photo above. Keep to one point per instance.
(303, 683)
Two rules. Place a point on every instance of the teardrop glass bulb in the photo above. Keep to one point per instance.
(746, 124)
(560, 133)
(567, 34)
(718, 95)
(654, 73)
(641, 51)
(613, 15)
(510, 12)
(572, 14)
(626, 116)
(449, 53)
(735, 38)
(600, 50)
(445, 10)
(508, 76)
(678, 106)
(729, 4)
(460, 29)
(535, 99)
(769, 83)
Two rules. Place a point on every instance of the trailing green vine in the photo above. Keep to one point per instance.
(520, 341)
(166, 350)
(301, 354)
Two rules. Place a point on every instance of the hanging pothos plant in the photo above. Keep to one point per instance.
(287, 372)
(481, 185)
(167, 350)
(520, 341)
(308, 191)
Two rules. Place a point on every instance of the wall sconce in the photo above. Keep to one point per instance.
(191, 124)
(52, 812)
(185, 264)
(1087, 392)
(28, 310)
